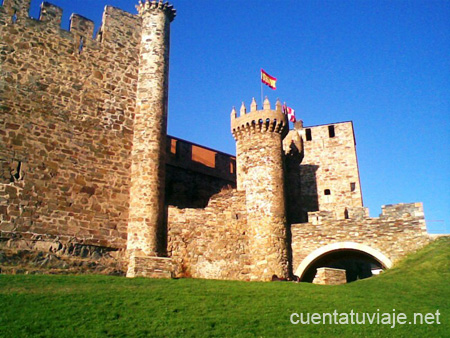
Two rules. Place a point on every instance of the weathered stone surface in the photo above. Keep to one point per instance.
(50, 256)
(330, 276)
(65, 155)
(211, 242)
(149, 266)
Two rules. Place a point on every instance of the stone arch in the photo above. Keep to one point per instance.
(385, 261)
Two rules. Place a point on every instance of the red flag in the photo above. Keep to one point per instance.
(289, 112)
(268, 80)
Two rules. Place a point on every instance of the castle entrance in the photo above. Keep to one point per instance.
(359, 261)
(357, 265)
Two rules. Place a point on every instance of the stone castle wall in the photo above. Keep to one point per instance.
(67, 103)
(211, 242)
(66, 115)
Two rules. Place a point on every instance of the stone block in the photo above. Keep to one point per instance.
(330, 276)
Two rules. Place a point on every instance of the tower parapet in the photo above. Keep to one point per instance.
(147, 5)
(255, 122)
(259, 120)
(259, 156)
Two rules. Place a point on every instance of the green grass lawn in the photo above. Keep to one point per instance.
(88, 305)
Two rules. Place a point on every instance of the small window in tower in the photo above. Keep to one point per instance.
(331, 131)
(81, 45)
(327, 192)
(352, 186)
(14, 17)
(308, 134)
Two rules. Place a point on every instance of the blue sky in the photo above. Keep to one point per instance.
(384, 65)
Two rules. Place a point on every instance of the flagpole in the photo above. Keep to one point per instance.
(262, 100)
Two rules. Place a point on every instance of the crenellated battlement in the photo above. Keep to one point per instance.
(391, 211)
(51, 14)
(81, 26)
(19, 8)
(403, 210)
(265, 120)
(148, 5)
(118, 27)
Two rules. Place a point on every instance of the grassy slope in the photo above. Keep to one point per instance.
(115, 306)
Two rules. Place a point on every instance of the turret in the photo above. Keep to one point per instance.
(147, 235)
(259, 156)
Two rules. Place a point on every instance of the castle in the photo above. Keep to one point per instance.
(87, 167)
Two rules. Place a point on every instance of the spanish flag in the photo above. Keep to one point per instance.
(268, 80)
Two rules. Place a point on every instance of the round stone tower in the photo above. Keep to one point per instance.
(146, 228)
(260, 174)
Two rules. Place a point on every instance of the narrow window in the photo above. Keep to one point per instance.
(331, 131)
(16, 173)
(100, 36)
(232, 167)
(352, 186)
(173, 146)
(80, 47)
(14, 17)
(308, 134)
(327, 192)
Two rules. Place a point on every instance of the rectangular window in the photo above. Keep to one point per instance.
(173, 146)
(331, 131)
(308, 134)
(352, 186)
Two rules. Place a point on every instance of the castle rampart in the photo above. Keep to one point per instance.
(66, 124)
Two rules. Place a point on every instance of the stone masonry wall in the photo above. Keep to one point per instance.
(211, 242)
(264, 187)
(66, 108)
(329, 165)
(399, 230)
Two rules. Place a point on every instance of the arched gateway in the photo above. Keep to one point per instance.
(345, 247)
